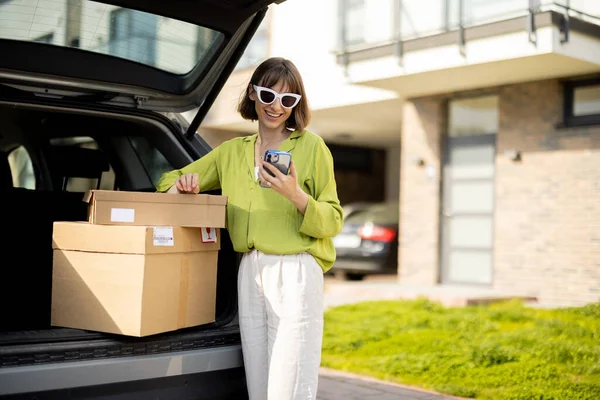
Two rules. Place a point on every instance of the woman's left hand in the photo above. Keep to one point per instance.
(286, 185)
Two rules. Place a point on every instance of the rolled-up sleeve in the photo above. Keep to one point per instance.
(206, 168)
(323, 217)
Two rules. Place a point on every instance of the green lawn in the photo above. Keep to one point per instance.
(502, 351)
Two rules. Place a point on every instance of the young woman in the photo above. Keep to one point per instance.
(285, 231)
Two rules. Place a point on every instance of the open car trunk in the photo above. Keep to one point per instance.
(80, 100)
(48, 158)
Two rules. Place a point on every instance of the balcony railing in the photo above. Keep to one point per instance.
(371, 23)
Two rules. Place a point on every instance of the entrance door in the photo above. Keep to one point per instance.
(468, 192)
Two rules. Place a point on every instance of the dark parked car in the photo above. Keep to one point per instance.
(91, 95)
(368, 242)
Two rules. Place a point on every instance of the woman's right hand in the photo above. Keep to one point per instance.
(188, 184)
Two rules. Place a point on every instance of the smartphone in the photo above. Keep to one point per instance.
(280, 159)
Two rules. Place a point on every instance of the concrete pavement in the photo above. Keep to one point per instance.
(387, 288)
(336, 385)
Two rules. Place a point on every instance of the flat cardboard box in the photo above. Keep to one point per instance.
(111, 207)
(83, 236)
(128, 285)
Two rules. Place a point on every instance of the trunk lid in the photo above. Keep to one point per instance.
(169, 56)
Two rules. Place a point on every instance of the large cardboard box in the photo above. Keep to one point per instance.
(133, 280)
(109, 207)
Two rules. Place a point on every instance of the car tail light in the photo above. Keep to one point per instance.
(376, 233)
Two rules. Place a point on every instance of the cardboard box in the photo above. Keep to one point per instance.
(82, 236)
(133, 280)
(108, 207)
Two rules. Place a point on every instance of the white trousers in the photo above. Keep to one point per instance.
(281, 324)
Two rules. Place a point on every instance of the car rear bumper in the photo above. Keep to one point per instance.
(71, 375)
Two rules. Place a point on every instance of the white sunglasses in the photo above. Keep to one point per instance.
(268, 96)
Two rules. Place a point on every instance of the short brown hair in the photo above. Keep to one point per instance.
(267, 74)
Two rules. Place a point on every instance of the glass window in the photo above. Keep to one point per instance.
(151, 158)
(204, 41)
(160, 42)
(586, 100)
(419, 19)
(87, 169)
(133, 35)
(355, 22)
(476, 12)
(21, 168)
(49, 39)
(474, 116)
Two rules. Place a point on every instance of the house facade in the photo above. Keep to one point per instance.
(500, 139)
(494, 109)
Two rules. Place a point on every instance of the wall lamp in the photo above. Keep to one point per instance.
(513, 155)
(418, 161)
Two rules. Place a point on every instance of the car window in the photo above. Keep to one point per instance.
(21, 168)
(165, 43)
(152, 159)
(87, 169)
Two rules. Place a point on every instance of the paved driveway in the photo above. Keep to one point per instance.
(334, 385)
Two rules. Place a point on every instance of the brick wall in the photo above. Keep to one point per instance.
(547, 206)
(422, 124)
(547, 219)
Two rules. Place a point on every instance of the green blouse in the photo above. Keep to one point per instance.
(262, 219)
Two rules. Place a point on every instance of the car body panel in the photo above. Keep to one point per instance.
(358, 256)
(56, 376)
